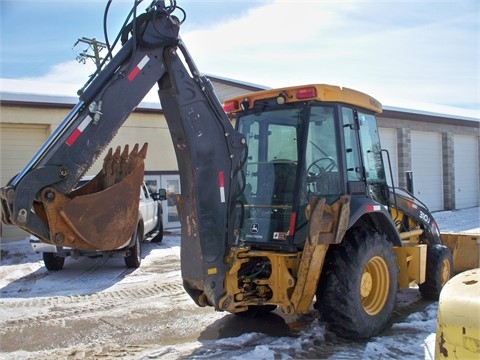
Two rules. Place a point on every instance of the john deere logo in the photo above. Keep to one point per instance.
(254, 228)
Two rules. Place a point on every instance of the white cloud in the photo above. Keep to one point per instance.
(63, 79)
(391, 50)
(348, 44)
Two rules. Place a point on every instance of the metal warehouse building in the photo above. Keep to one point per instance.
(442, 150)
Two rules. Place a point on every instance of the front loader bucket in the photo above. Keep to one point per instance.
(102, 214)
(465, 249)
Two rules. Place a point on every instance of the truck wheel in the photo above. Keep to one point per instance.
(357, 292)
(134, 257)
(53, 262)
(439, 271)
(159, 237)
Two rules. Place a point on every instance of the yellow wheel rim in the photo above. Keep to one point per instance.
(374, 285)
(445, 272)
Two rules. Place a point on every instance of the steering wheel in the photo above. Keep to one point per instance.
(330, 165)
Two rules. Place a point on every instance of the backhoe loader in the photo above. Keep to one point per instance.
(287, 206)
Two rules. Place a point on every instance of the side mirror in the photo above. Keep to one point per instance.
(160, 195)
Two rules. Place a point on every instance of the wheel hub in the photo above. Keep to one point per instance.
(374, 285)
(366, 285)
(445, 272)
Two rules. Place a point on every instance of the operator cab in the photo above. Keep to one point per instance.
(316, 140)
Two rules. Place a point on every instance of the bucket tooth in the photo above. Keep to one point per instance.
(134, 152)
(125, 154)
(142, 154)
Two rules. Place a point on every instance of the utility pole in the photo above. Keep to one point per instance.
(93, 44)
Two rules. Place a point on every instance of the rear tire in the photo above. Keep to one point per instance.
(439, 271)
(358, 286)
(134, 258)
(53, 262)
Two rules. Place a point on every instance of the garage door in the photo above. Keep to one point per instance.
(466, 171)
(427, 168)
(18, 144)
(388, 139)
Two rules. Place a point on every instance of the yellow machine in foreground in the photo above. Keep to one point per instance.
(458, 320)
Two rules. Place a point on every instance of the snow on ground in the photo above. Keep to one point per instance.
(465, 220)
(410, 338)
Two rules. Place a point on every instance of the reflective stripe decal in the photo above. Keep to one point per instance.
(78, 131)
(221, 183)
(373, 208)
(136, 70)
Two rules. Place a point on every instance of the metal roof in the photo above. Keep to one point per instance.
(226, 88)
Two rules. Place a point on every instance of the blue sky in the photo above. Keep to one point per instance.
(402, 52)
(37, 34)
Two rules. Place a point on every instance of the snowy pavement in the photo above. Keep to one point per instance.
(23, 279)
(464, 221)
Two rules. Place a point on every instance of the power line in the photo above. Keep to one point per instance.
(94, 45)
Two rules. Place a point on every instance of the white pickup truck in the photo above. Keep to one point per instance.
(149, 229)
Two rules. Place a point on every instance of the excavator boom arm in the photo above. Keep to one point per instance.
(209, 151)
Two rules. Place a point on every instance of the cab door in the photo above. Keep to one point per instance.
(365, 168)
(373, 167)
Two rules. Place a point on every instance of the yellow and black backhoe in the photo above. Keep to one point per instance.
(287, 206)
